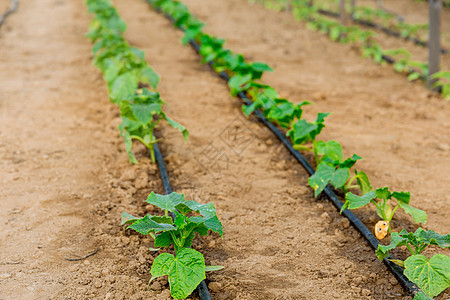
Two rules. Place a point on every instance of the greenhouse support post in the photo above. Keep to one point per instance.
(434, 44)
(343, 16)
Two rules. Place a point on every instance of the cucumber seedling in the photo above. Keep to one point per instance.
(186, 269)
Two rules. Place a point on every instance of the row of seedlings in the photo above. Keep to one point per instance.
(132, 86)
(401, 58)
(332, 168)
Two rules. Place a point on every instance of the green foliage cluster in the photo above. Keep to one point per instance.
(131, 81)
(431, 275)
(186, 269)
(303, 10)
(332, 168)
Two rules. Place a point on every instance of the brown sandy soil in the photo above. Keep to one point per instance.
(65, 178)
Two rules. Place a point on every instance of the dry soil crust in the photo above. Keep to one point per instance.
(65, 178)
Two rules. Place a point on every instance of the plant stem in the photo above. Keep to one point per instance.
(410, 250)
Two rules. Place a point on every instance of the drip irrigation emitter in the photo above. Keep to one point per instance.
(383, 28)
(396, 270)
(13, 8)
(202, 288)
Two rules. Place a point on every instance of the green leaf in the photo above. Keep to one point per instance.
(396, 240)
(128, 144)
(383, 193)
(163, 239)
(127, 219)
(147, 225)
(165, 202)
(212, 223)
(418, 215)
(185, 271)
(150, 76)
(112, 72)
(434, 238)
(261, 67)
(331, 150)
(404, 197)
(239, 83)
(353, 201)
(123, 87)
(144, 112)
(177, 125)
(325, 174)
(413, 76)
(340, 177)
(421, 296)
(363, 182)
(349, 162)
(207, 210)
(431, 276)
(162, 264)
(213, 268)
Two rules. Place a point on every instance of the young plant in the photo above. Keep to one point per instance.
(303, 131)
(332, 168)
(431, 275)
(186, 269)
(382, 198)
(444, 82)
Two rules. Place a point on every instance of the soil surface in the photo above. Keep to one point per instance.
(65, 177)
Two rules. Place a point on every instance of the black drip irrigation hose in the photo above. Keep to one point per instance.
(383, 28)
(202, 288)
(13, 8)
(396, 270)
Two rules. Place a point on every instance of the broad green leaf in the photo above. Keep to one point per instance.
(261, 67)
(162, 219)
(327, 174)
(112, 72)
(421, 296)
(434, 238)
(128, 144)
(127, 219)
(185, 271)
(163, 239)
(180, 220)
(431, 276)
(177, 125)
(349, 162)
(404, 197)
(353, 201)
(363, 182)
(207, 210)
(330, 149)
(166, 202)
(144, 112)
(212, 223)
(162, 264)
(418, 215)
(340, 177)
(123, 87)
(396, 240)
(147, 225)
(239, 83)
(383, 193)
(213, 268)
(301, 130)
(150, 76)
